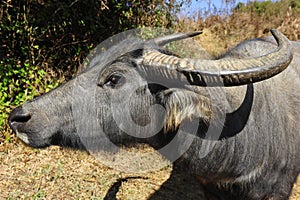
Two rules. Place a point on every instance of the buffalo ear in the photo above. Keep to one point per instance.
(181, 104)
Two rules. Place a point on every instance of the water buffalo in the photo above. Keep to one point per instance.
(238, 115)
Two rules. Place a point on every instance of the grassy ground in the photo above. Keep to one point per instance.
(56, 173)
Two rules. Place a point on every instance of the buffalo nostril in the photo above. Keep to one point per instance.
(18, 116)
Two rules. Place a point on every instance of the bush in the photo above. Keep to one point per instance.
(21, 80)
(222, 30)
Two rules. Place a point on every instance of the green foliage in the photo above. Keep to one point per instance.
(61, 33)
(21, 80)
(19, 83)
(272, 8)
(295, 5)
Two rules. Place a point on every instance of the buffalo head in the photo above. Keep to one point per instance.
(155, 89)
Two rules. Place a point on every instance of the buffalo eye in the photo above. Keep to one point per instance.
(114, 80)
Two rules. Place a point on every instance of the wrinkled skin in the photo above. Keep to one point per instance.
(259, 161)
(52, 122)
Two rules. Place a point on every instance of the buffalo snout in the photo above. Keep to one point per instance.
(18, 118)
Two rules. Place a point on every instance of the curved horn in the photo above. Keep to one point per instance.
(223, 72)
(174, 37)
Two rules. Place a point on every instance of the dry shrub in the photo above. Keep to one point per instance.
(222, 32)
(291, 25)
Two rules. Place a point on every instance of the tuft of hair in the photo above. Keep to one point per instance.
(183, 105)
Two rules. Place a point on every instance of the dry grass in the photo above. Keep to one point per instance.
(56, 173)
(221, 33)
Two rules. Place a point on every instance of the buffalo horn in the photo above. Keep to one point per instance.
(222, 72)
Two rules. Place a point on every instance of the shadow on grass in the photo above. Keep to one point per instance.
(113, 190)
(179, 186)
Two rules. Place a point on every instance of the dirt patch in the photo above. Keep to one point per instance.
(56, 173)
